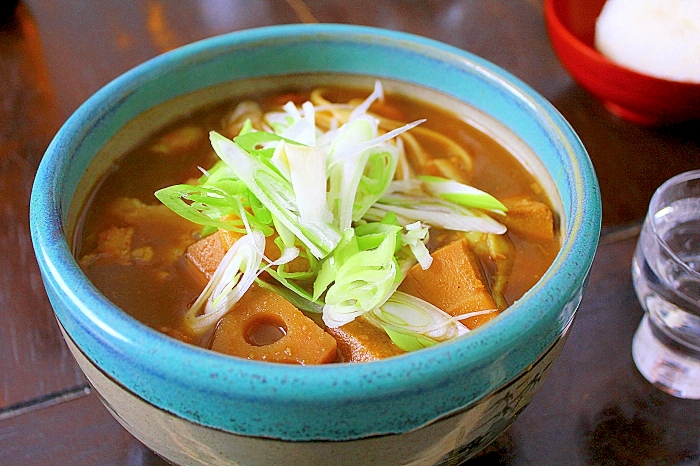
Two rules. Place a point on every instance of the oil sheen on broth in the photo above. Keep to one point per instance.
(134, 249)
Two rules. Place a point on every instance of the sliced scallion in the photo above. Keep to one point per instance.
(462, 194)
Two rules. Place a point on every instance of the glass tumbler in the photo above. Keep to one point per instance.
(666, 276)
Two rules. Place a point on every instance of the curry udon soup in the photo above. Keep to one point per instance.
(317, 225)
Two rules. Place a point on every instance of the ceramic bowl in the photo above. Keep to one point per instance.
(631, 95)
(435, 406)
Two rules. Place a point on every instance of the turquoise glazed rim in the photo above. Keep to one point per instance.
(333, 402)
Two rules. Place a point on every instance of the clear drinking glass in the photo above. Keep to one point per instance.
(666, 275)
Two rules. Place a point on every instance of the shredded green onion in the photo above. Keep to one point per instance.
(362, 278)
(415, 237)
(462, 194)
(277, 194)
(412, 323)
(232, 278)
(330, 197)
(437, 212)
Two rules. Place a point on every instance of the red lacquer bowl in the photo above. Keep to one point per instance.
(634, 96)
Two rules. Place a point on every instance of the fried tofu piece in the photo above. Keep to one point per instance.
(360, 341)
(533, 220)
(180, 140)
(132, 211)
(116, 242)
(147, 222)
(454, 282)
(264, 326)
(131, 235)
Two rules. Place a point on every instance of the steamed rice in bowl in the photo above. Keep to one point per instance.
(630, 94)
(660, 38)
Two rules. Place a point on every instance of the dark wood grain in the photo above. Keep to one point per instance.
(595, 408)
(87, 44)
(75, 432)
(34, 361)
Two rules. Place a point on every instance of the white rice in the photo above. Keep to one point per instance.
(660, 38)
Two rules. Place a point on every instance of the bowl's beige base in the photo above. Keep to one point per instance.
(447, 441)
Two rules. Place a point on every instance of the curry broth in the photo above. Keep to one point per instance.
(158, 283)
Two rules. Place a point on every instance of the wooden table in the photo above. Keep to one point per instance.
(595, 408)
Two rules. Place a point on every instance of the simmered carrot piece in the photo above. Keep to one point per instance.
(208, 252)
(530, 219)
(273, 252)
(454, 282)
(360, 341)
(227, 238)
(264, 326)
